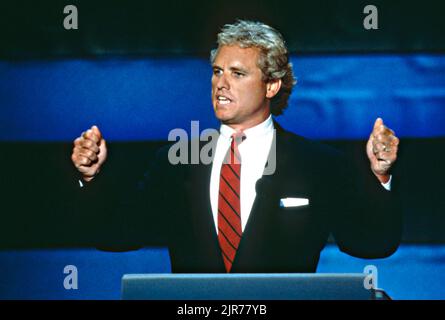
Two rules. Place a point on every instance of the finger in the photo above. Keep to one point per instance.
(387, 148)
(89, 144)
(383, 130)
(80, 160)
(88, 154)
(395, 141)
(378, 147)
(90, 135)
(380, 128)
(387, 157)
(86, 171)
(78, 141)
(103, 145)
(385, 139)
(377, 124)
(96, 131)
(79, 151)
(370, 143)
(387, 131)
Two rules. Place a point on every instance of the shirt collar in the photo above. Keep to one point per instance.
(260, 129)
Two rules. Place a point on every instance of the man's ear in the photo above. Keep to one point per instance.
(272, 88)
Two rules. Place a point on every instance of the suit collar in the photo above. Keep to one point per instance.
(259, 130)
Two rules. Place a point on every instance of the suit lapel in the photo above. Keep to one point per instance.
(204, 230)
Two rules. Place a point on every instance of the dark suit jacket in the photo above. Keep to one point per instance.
(172, 207)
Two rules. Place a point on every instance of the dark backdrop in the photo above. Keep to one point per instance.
(139, 69)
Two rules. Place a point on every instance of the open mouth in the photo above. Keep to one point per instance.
(223, 100)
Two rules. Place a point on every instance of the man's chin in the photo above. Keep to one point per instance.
(223, 116)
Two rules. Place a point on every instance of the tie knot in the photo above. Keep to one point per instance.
(233, 154)
(238, 137)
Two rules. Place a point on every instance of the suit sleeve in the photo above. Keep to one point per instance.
(119, 217)
(368, 219)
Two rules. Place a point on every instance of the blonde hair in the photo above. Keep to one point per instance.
(274, 56)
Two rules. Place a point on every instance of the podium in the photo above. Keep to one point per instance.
(248, 287)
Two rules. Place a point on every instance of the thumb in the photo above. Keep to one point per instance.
(378, 122)
(103, 152)
(96, 132)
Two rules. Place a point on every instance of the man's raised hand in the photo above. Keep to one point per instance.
(89, 153)
(382, 150)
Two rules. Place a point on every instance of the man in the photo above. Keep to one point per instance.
(231, 217)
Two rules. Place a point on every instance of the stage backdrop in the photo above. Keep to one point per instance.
(139, 70)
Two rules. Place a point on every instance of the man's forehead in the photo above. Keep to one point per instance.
(235, 54)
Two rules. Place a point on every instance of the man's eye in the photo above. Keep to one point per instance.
(238, 74)
(217, 72)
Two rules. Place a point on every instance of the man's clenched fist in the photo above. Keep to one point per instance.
(89, 153)
(382, 149)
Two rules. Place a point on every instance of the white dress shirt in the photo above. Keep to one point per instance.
(254, 151)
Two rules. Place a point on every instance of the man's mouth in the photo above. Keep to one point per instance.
(223, 100)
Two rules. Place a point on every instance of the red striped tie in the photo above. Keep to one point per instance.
(229, 209)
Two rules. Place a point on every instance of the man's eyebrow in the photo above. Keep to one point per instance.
(238, 69)
(233, 68)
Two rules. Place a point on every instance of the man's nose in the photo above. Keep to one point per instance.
(222, 82)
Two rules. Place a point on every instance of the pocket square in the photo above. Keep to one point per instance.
(293, 202)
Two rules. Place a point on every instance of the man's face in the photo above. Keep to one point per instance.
(238, 91)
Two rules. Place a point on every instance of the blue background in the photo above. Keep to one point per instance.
(337, 97)
(413, 272)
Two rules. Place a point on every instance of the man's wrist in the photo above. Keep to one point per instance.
(87, 179)
(383, 178)
(387, 185)
(84, 181)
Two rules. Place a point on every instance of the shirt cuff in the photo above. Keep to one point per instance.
(387, 185)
